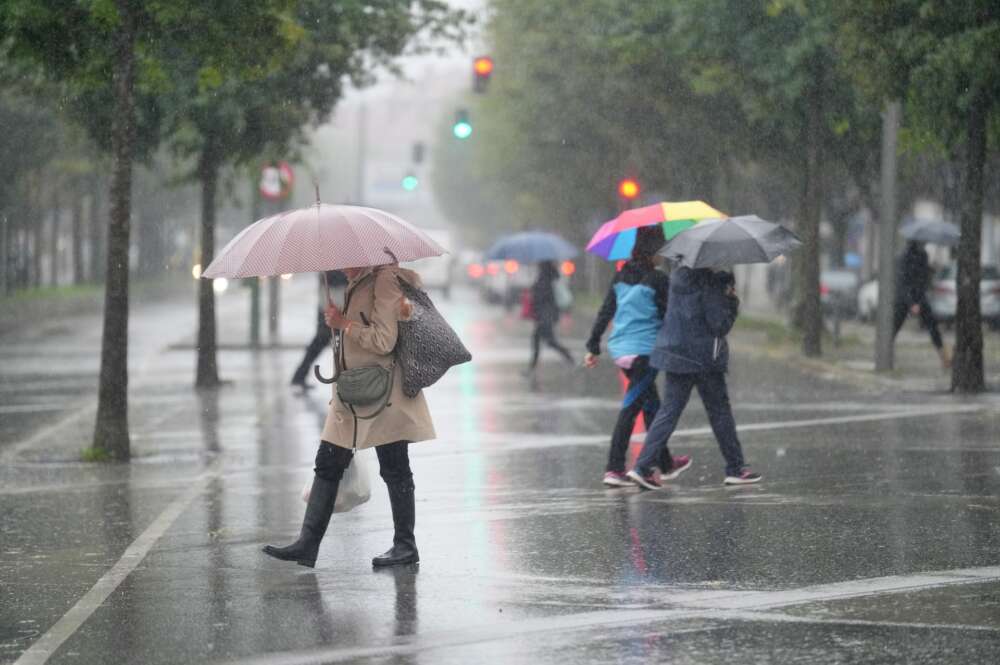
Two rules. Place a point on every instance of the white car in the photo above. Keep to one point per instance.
(437, 272)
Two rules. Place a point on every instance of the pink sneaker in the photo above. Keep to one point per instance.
(681, 463)
(616, 479)
(649, 482)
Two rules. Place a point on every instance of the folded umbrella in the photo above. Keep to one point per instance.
(726, 242)
(531, 247)
(615, 239)
(937, 232)
(318, 238)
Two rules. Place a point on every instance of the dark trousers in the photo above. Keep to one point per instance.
(393, 462)
(676, 392)
(319, 342)
(640, 396)
(545, 331)
(902, 308)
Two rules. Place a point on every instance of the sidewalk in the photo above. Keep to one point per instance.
(917, 366)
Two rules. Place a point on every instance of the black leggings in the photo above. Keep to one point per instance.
(545, 331)
(393, 462)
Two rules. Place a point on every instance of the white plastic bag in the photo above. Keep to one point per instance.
(355, 487)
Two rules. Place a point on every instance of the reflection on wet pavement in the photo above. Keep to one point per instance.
(874, 538)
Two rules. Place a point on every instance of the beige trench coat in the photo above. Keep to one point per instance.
(406, 418)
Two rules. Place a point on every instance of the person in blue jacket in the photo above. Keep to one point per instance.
(691, 350)
(635, 305)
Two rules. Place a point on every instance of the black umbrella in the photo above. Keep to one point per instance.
(727, 242)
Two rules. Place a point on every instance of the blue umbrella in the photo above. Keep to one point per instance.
(531, 247)
(937, 232)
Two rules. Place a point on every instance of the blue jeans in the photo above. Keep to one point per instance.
(676, 392)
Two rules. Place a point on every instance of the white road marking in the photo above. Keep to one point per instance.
(12, 451)
(30, 408)
(703, 605)
(44, 647)
(512, 441)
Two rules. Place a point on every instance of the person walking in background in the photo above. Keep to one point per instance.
(334, 279)
(636, 304)
(369, 330)
(913, 278)
(545, 311)
(691, 350)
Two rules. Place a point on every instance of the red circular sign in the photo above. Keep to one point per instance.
(276, 181)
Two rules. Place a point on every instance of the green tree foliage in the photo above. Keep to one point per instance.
(940, 58)
(743, 104)
(114, 51)
(219, 119)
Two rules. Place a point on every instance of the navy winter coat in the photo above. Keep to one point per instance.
(699, 316)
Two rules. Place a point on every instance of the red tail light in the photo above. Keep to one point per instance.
(944, 288)
(824, 290)
(568, 268)
(510, 266)
(476, 270)
(492, 269)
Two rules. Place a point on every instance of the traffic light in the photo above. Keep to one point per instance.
(462, 129)
(410, 182)
(628, 189)
(482, 68)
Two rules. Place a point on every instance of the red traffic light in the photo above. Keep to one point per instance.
(628, 188)
(482, 66)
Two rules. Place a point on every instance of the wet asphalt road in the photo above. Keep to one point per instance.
(875, 537)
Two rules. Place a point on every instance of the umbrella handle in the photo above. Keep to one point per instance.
(319, 376)
(334, 343)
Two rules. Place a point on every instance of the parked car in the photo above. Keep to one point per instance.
(838, 292)
(943, 296)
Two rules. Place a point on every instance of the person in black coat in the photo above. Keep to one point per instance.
(545, 312)
(692, 351)
(333, 279)
(913, 279)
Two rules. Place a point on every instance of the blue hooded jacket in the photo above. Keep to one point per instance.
(636, 302)
(693, 337)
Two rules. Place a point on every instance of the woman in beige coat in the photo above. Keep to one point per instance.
(368, 325)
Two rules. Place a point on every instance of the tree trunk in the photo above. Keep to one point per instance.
(54, 236)
(811, 308)
(967, 370)
(111, 428)
(77, 248)
(207, 375)
(97, 232)
(37, 227)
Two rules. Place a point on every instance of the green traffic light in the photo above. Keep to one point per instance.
(462, 130)
(410, 183)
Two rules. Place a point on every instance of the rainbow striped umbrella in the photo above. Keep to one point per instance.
(615, 239)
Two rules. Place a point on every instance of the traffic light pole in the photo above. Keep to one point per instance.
(255, 283)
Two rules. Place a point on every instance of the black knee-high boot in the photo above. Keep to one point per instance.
(318, 511)
(404, 544)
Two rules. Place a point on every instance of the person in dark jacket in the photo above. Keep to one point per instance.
(913, 279)
(332, 279)
(637, 303)
(691, 350)
(545, 311)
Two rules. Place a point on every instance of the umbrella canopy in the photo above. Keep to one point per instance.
(319, 238)
(937, 232)
(615, 239)
(531, 247)
(726, 242)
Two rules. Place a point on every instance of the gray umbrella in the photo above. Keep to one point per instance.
(727, 242)
(937, 232)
